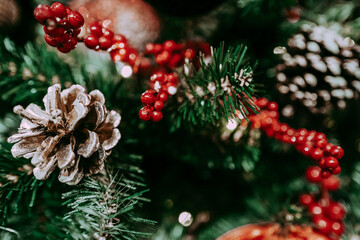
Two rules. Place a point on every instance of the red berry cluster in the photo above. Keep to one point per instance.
(102, 38)
(327, 215)
(162, 85)
(171, 54)
(61, 25)
(310, 143)
(313, 175)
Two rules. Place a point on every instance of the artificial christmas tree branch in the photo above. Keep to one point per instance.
(222, 88)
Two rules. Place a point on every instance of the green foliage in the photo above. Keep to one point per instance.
(220, 89)
(102, 209)
(18, 186)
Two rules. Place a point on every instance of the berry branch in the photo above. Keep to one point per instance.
(327, 215)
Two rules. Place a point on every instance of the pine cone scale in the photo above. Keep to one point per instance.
(90, 146)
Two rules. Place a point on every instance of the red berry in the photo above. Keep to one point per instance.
(156, 116)
(337, 152)
(305, 150)
(306, 199)
(151, 91)
(42, 13)
(301, 132)
(159, 76)
(91, 41)
(162, 58)
(325, 173)
(158, 48)
(300, 139)
(158, 105)
(332, 183)
(284, 128)
(149, 48)
(331, 162)
(261, 102)
(175, 61)
(64, 49)
(313, 174)
(107, 33)
(322, 163)
(337, 228)
(273, 106)
(315, 209)
(145, 113)
(147, 98)
(189, 53)
(105, 43)
(54, 31)
(75, 19)
(96, 29)
(76, 32)
(336, 211)
(322, 224)
(50, 40)
(58, 9)
(119, 38)
(132, 56)
(316, 154)
(337, 170)
(163, 97)
(169, 45)
(321, 143)
(328, 147)
(71, 44)
(119, 55)
(320, 136)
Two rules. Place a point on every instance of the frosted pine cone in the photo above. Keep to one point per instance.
(75, 132)
(320, 70)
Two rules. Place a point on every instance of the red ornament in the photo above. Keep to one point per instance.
(272, 232)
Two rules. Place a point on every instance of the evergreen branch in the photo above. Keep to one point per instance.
(220, 89)
(102, 208)
(18, 187)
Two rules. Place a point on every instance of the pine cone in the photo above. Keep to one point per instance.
(320, 70)
(75, 132)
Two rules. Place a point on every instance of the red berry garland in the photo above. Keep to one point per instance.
(310, 143)
(62, 27)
